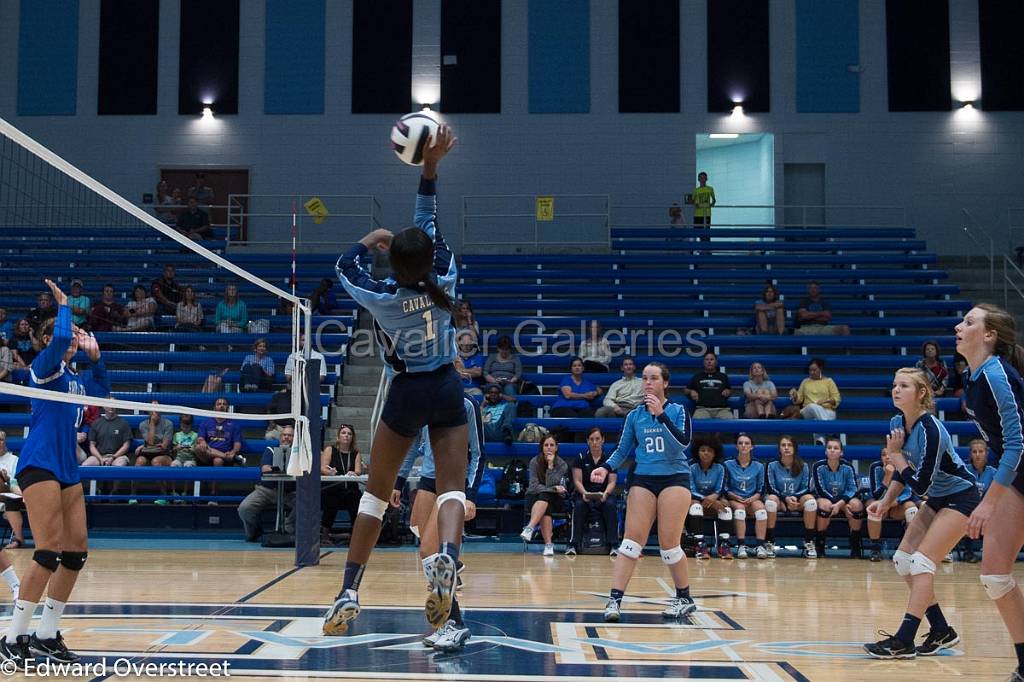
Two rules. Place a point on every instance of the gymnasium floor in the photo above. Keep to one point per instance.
(532, 618)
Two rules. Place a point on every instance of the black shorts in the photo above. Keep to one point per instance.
(701, 221)
(427, 485)
(424, 399)
(32, 475)
(656, 484)
(554, 501)
(964, 501)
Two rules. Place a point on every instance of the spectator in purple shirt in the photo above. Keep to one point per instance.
(220, 440)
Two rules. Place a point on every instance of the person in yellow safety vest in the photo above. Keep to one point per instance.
(703, 200)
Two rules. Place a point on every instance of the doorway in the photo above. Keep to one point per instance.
(741, 169)
(804, 190)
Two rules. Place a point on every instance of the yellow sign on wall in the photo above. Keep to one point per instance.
(316, 208)
(545, 208)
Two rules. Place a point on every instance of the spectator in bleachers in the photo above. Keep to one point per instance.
(709, 389)
(220, 439)
(6, 362)
(498, 416)
(184, 443)
(592, 496)
(43, 311)
(258, 369)
(504, 369)
(106, 313)
(624, 394)
(280, 403)
(89, 417)
(23, 344)
(704, 198)
(880, 476)
(157, 434)
(675, 216)
(139, 311)
(6, 326)
(339, 458)
(188, 314)
(788, 485)
(549, 476)
(958, 376)
(835, 483)
(110, 436)
(465, 320)
(200, 190)
(933, 366)
(14, 508)
(166, 291)
(814, 316)
(323, 300)
(168, 203)
(594, 351)
(818, 396)
(472, 361)
(770, 312)
(744, 487)
(231, 315)
(264, 495)
(707, 487)
(576, 394)
(79, 303)
(760, 394)
(194, 222)
(314, 354)
(985, 473)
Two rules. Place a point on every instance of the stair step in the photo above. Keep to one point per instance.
(359, 373)
(354, 390)
(344, 412)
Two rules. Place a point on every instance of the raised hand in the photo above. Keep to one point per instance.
(58, 296)
(378, 239)
(441, 143)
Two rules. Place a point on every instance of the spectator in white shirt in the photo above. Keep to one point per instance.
(594, 351)
(13, 507)
(289, 365)
(624, 394)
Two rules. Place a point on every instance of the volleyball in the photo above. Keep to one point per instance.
(411, 134)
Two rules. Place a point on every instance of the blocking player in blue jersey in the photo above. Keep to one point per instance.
(880, 475)
(788, 488)
(922, 452)
(744, 485)
(657, 435)
(412, 320)
(994, 396)
(835, 483)
(51, 488)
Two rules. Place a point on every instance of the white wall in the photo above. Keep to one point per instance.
(931, 163)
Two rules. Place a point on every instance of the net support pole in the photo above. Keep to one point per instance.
(307, 488)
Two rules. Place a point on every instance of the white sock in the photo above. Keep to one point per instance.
(11, 578)
(21, 619)
(48, 624)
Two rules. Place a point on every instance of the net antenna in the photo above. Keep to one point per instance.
(301, 459)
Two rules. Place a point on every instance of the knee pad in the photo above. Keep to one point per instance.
(771, 506)
(73, 561)
(672, 556)
(725, 514)
(457, 495)
(740, 514)
(46, 558)
(372, 506)
(921, 564)
(998, 586)
(696, 509)
(910, 514)
(860, 515)
(761, 515)
(630, 549)
(415, 530)
(903, 562)
(823, 514)
(811, 505)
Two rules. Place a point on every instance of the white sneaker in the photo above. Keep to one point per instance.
(344, 610)
(809, 550)
(741, 552)
(549, 550)
(948, 559)
(570, 551)
(762, 552)
(612, 611)
(442, 590)
(770, 546)
(527, 534)
(679, 608)
(452, 637)
(430, 640)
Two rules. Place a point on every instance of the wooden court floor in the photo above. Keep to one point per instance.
(532, 618)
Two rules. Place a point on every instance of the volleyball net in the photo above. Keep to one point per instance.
(179, 323)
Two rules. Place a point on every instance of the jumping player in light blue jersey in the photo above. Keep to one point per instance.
(657, 434)
(412, 314)
(788, 488)
(922, 452)
(880, 475)
(48, 475)
(744, 485)
(835, 483)
(994, 399)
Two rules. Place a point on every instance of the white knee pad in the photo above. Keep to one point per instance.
(372, 506)
(811, 505)
(725, 514)
(696, 509)
(415, 531)
(998, 586)
(921, 564)
(903, 562)
(457, 495)
(630, 549)
(761, 515)
(672, 556)
(740, 514)
(771, 506)
(910, 514)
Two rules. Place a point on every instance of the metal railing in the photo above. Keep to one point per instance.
(267, 220)
(1015, 229)
(982, 239)
(764, 215)
(500, 221)
(1011, 269)
(383, 385)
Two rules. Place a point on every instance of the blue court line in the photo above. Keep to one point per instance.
(278, 579)
(796, 674)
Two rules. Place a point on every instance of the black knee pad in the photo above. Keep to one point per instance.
(46, 558)
(860, 515)
(823, 514)
(73, 561)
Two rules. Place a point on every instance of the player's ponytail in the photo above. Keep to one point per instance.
(412, 260)
(1002, 323)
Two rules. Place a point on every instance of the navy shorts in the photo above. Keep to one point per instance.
(31, 475)
(427, 485)
(656, 484)
(424, 399)
(963, 502)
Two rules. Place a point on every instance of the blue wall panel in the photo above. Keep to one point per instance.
(294, 66)
(559, 56)
(827, 43)
(48, 58)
